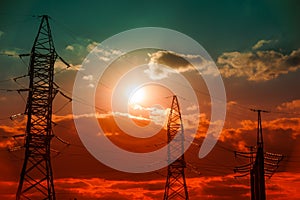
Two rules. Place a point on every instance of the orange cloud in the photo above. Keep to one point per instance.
(7, 143)
(290, 106)
(290, 126)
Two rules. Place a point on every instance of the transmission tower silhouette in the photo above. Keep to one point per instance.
(175, 187)
(256, 168)
(259, 169)
(36, 179)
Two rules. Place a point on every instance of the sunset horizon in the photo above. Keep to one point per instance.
(231, 65)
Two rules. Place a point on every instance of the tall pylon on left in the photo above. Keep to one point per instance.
(36, 179)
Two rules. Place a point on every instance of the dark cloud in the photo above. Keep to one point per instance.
(170, 59)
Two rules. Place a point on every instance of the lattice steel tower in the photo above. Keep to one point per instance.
(259, 169)
(36, 181)
(175, 187)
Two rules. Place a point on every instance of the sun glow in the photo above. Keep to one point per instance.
(138, 96)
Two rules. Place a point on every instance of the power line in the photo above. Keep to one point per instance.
(15, 23)
(260, 164)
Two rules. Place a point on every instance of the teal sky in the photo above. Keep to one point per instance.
(218, 25)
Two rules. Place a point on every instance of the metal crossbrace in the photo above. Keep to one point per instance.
(36, 180)
(175, 187)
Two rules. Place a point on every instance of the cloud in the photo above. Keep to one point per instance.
(258, 66)
(156, 115)
(261, 43)
(159, 59)
(70, 47)
(192, 107)
(285, 124)
(88, 77)
(275, 131)
(216, 181)
(15, 127)
(7, 144)
(157, 72)
(290, 106)
(59, 66)
(92, 45)
(178, 63)
(171, 59)
(120, 114)
(11, 52)
(105, 53)
(282, 186)
(79, 50)
(91, 85)
(142, 114)
(64, 118)
(96, 188)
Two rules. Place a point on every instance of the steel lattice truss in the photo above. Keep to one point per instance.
(36, 181)
(175, 187)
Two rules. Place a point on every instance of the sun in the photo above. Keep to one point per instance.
(138, 96)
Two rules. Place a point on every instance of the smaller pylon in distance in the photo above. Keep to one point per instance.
(176, 187)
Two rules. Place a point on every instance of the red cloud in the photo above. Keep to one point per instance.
(281, 186)
(215, 182)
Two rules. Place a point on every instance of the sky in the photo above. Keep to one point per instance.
(254, 44)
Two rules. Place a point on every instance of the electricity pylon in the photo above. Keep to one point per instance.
(175, 187)
(256, 168)
(259, 168)
(36, 180)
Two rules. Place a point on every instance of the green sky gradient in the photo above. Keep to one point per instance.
(218, 25)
